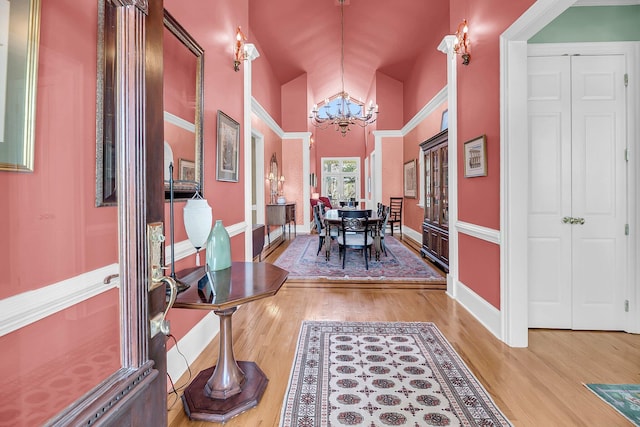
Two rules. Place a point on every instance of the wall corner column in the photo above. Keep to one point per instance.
(251, 53)
(446, 47)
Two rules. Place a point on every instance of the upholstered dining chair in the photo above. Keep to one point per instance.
(326, 201)
(395, 213)
(355, 234)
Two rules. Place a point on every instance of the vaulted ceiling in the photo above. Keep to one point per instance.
(303, 36)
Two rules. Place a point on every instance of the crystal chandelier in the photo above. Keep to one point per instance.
(344, 113)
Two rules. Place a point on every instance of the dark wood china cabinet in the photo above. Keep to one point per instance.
(435, 227)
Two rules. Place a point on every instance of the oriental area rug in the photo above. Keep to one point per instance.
(624, 398)
(399, 265)
(382, 374)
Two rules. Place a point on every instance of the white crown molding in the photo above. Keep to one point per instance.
(262, 114)
(388, 133)
(180, 122)
(297, 135)
(435, 102)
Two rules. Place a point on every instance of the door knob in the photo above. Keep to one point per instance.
(572, 220)
(155, 239)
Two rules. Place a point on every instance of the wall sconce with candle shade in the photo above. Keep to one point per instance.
(239, 52)
(281, 199)
(270, 179)
(463, 42)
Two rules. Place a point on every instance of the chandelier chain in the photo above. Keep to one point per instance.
(340, 114)
(342, 44)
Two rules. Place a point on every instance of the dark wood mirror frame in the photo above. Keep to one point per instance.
(106, 184)
(186, 188)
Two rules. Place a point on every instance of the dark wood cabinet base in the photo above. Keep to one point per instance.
(201, 407)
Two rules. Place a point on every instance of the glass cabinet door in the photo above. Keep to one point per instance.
(435, 166)
(428, 182)
(444, 214)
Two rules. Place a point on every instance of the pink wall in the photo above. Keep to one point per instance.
(414, 214)
(427, 77)
(272, 144)
(294, 105)
(478, 114)
(179, 73)
(51, 230)
(264, 87)
(223, 89)
(480, 263)
(392, 168)
(389, 99)
(330, 143)
(294, 179)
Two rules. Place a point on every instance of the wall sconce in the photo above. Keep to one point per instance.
(239, 52)
(281, 180)
(270, 179)
(463, 43)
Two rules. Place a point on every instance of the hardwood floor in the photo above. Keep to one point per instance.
(541, 385)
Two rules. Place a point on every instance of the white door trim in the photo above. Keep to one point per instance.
(514, 171)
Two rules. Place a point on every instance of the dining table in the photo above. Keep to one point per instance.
(333, 220)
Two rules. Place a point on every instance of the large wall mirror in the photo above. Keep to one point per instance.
(183, 107)
(183, 93)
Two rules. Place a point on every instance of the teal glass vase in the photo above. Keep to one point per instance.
(218, 248)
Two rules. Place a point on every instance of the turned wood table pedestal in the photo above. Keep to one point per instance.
(230, 387)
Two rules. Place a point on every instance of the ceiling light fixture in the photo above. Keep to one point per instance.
(343, 113)
(463, 43)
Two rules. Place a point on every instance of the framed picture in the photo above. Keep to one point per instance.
(19, 43)
(444, 121)
(410, 180)
(228, 148)
(475, 157)
(187, 170)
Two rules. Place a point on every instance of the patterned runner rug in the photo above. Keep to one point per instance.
(400, 264)
(381, 374)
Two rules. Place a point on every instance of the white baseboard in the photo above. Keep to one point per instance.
(484, 312)
(191, 345)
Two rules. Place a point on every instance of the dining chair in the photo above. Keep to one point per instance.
(319, 227)
(355, 234)
(318, 220)
(326, 201)
(395, 213)
(384, 218)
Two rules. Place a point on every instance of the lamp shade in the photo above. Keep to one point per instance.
(197, 221)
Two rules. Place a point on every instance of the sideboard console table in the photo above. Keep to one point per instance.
(281, 214)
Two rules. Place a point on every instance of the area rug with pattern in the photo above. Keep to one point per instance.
(380, 374)
(624, 398)
(399, 265)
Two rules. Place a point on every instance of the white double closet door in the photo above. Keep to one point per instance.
(577, 243)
